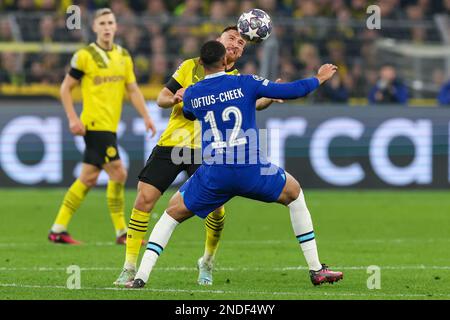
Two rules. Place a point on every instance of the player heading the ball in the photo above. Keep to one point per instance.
(213, 185)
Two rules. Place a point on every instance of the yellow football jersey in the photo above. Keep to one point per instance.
(104, 76)
(181, 131)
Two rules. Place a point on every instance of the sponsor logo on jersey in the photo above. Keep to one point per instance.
(98, 80)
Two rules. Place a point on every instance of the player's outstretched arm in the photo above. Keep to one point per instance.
(295, 89)
(75, 124)
(264, 103)
(138, 101)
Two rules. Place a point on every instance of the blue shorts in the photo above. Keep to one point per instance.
(210, 187)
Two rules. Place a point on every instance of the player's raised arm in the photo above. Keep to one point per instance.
(295, 89)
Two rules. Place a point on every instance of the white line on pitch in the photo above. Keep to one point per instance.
(243, 242)
(321, 293)
(232, 269)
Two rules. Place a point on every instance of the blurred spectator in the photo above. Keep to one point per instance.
(37, 73)
(335, 91)
(142, 68)
(444, 95)
(153, 28)
(48, 31)
(216, 22)
(189, 9)
(389, 89)
(437, 78)
(158, 44)
(306, 8)
(337, 56)
(25, 5)
(288, 71)
(269, 6)
(175, 29)
(446, 7)
(122, 11)
(188, 14)
(358, 9)
(249, 67)
(5, 30)
(158, 70)
(190, 47)
(232, 8)
(156, 9)
(308, 57)
(133, 41)
(246, 5)
(343, 29)
(415, 13)
(337, 7)
(8, 5)
(47, 5)
(389, 9)
(11, 71)
(358, 82)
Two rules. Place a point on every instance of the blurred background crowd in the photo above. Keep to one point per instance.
(160, 34)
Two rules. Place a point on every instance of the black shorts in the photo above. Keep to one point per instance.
(101, 148)
(160, 171)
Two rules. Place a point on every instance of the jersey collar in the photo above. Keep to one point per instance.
(106, 50)
(215, 75)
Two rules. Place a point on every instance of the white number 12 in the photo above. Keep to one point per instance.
(218, 143)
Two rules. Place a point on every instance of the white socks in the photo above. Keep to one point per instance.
(158, 240)
(58, 228)
(303, 229)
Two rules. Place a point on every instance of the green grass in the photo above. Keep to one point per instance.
(406, 234)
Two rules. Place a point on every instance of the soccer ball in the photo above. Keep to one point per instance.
(254, 25)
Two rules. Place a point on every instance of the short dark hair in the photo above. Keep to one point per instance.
(233, 27)
(211, 52)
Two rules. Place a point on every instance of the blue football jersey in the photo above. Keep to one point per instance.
(225, 105)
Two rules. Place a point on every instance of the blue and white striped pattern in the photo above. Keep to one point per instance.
(155, 248)
(306, 237)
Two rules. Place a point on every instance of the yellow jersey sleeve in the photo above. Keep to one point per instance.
(80, 60)
(181, 75)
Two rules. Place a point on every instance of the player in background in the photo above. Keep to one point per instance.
(160, 170)
(105, 72)
(233, 164)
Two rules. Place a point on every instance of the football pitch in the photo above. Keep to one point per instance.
(406, 234)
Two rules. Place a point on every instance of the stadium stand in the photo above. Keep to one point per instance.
(36, 46)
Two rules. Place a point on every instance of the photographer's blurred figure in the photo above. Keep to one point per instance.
(388, 89)
(444, 95)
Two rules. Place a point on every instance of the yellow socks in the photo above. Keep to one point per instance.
(72, 200)
(137, 229)
(214, 223)
(115, 196)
